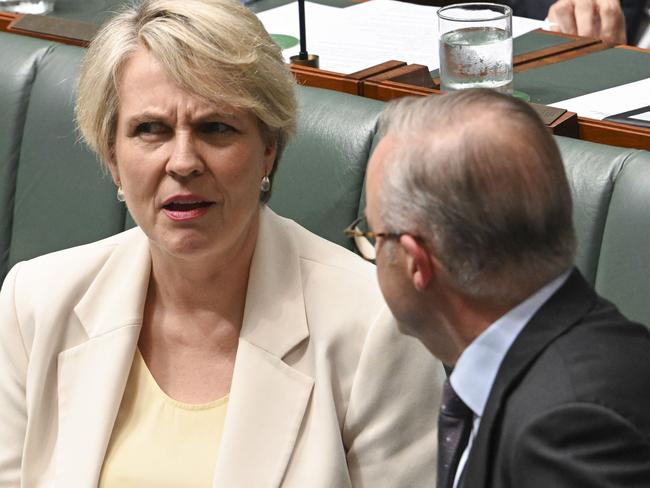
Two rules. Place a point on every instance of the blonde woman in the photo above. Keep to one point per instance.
(215, 344)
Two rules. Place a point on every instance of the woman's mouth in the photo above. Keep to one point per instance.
(186, 209)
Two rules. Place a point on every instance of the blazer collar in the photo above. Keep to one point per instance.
(92, 375)
(274, 315)
(268, 398)
(117, 294)
(561, 312)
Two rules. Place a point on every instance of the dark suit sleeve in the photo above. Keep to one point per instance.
(633, 11)
(538, 9)
(580, 445)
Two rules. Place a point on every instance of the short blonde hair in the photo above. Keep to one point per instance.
(215, 49)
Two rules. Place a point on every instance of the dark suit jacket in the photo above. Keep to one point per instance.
(570, 406)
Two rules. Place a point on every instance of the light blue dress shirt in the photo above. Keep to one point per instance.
(477, 367)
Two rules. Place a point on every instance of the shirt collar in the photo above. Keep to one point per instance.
(479, 363)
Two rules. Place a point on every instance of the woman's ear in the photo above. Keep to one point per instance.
(115, 173)
(270, 153)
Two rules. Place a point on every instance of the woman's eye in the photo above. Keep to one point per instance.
(214, 128)
(150, 128)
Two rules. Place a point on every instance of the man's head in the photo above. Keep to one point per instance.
(474, 181)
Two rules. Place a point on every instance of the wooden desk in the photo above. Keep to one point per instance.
(69, 32)
(394, 79)
(400, 81)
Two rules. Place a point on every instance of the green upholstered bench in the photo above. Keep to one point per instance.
(54, 195)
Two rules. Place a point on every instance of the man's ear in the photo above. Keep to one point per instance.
(421, 266)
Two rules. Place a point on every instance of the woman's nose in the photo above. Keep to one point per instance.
(184, 160)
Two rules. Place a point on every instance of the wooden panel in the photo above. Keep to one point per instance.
(577, 47)
(566, 125)
(591, 48)
(325, 79)
(559, 121)
(412, 74)
(389, 90)
(614, 134)
(6, 18)
(376, 70)
(10, 22)
(634, 48)
(81, 32)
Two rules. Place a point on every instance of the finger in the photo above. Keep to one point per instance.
(587, 19)
(612, 21)
(562, 15)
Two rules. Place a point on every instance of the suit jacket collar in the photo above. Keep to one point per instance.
(561, 312)
(268, 398)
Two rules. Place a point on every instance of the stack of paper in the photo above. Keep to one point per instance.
(363, 35)
(605, 103)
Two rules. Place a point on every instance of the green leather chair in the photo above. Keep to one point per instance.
(53, 193)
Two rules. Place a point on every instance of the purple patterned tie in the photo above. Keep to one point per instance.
(454, 427)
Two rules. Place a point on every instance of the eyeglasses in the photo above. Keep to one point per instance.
(366, 241)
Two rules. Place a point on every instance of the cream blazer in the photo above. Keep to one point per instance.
(325, 393)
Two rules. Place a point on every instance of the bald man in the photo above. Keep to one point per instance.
(471, 214)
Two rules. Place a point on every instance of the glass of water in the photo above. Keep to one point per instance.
(27, 6)
(475, 46)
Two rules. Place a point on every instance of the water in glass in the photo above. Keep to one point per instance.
(27, 7)
(476, 57)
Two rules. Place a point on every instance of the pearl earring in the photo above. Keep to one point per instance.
(120, 194)
(265, 184)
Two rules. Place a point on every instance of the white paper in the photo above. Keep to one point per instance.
(603, 103)
(357, 37)
(643, 116)
(284, 19)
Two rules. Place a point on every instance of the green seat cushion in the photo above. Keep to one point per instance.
(318, 182)
(591, 170)
(624, 264)
(62, 197)
(19, 57)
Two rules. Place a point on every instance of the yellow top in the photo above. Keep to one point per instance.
(160, 442)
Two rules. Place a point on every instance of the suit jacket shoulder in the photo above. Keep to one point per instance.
(569, 406)
(57, 281)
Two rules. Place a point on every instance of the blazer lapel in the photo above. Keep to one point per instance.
(556, 316)
(93, 374)
(268, 398)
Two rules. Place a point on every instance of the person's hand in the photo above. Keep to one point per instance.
(590, 18)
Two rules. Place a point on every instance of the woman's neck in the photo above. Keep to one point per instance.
(195, 309)
(216, 281)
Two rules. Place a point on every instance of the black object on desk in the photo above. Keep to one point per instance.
(303, 58)
(628, 117)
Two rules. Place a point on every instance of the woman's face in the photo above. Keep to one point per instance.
(190, 170)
